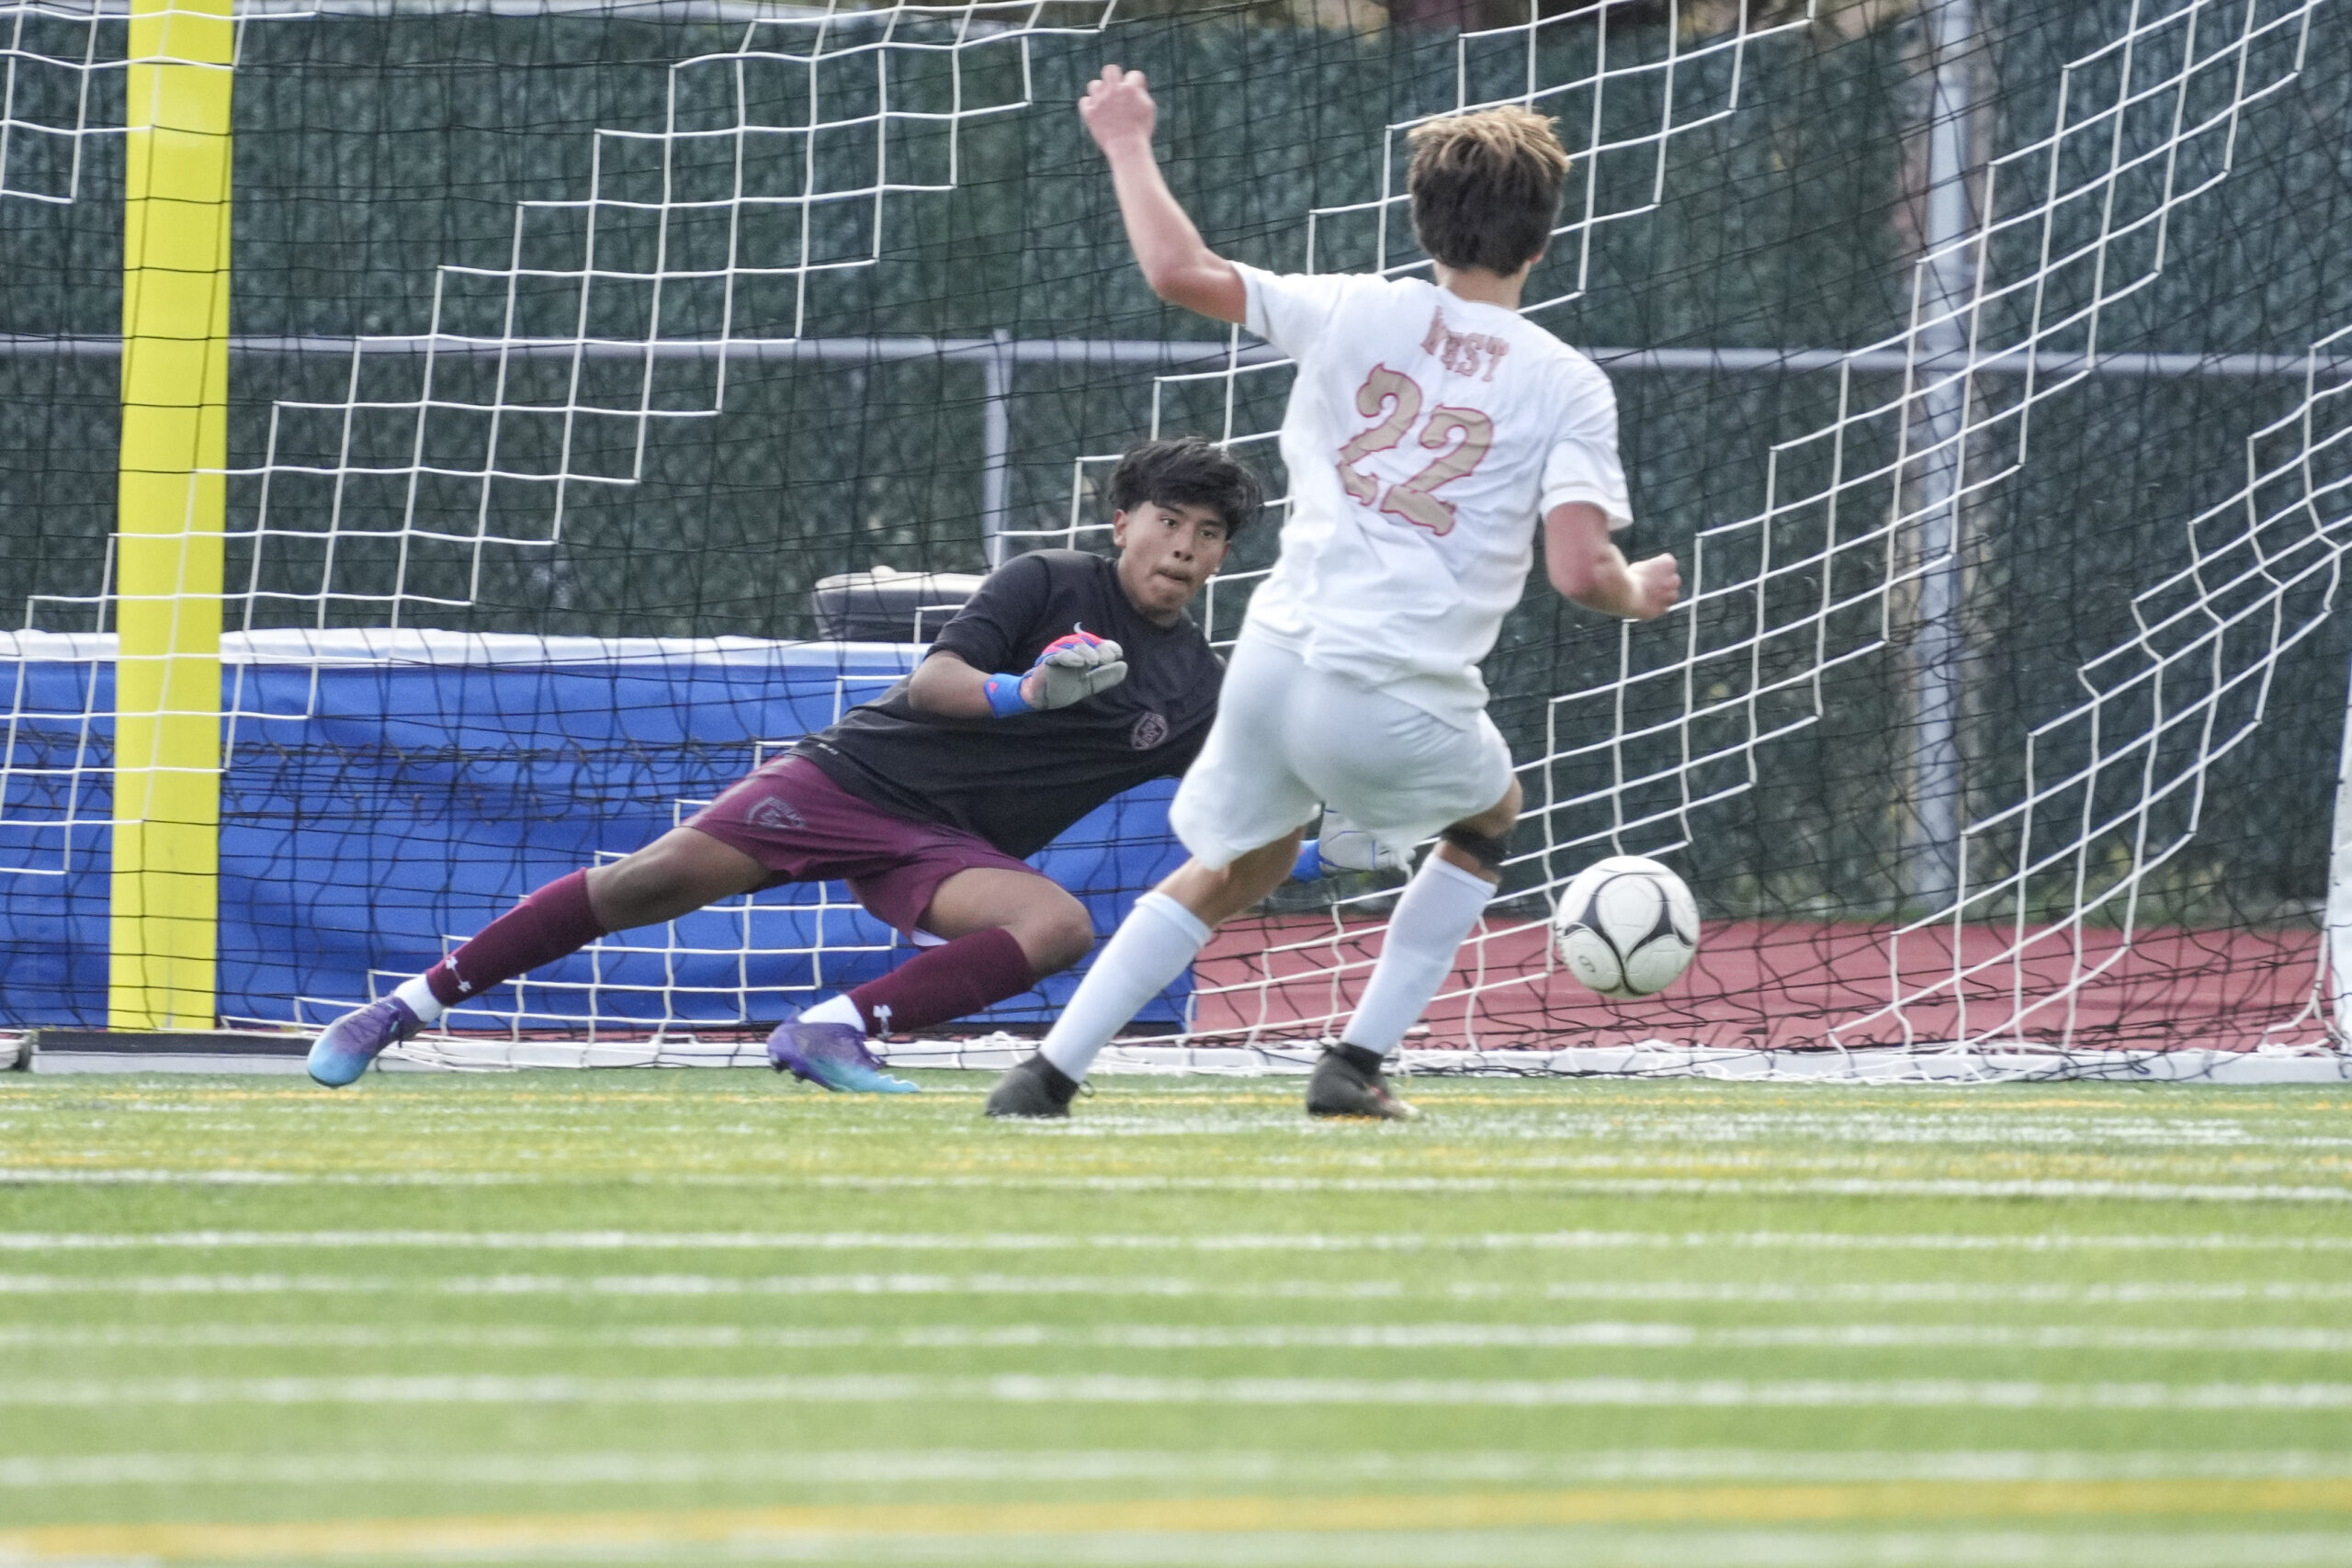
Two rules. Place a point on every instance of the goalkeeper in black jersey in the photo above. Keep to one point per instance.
(1066, 680)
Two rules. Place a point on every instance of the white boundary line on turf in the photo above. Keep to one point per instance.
(1696, 1187)
(657, 1286)
(2100, 1293)
(1317, 1240)
(1017, 1388)
(695, 1285)
(1190, 1337)
(833, 1467)
(1928, 1064)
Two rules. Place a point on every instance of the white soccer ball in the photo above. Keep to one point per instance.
(1625, 925)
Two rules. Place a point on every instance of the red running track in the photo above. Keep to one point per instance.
(1758, 984)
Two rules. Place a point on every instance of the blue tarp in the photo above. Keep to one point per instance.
(387, 794)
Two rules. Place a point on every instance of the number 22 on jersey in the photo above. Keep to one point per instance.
(1460, 437)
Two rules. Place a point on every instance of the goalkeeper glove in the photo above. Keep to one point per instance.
(1068, 669)
(1342, 846)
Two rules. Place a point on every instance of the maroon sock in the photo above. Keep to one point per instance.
(973, 972)
(551, 923)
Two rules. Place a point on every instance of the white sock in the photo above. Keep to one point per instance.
(421, 1001)
(1432, 919)
(836, 1009)
(1155, 942)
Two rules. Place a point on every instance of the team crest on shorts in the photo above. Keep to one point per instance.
(1150, 729)
(775, 812)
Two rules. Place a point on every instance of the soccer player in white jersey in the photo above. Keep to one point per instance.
(1431, 428)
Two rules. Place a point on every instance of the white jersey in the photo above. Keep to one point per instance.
(1425, 437)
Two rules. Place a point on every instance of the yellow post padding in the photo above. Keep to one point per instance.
(167, 568)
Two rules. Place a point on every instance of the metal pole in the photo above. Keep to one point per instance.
(996, 446)
(1931, 858)
(2338, 958)
(2048, 364)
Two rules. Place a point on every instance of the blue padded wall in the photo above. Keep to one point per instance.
(382, 801)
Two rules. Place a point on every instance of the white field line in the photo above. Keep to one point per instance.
(1632, 1187)
(1066, 1466)
(1647, 1547)
(2248, 1546)
(1695, 1187)
(2107, 1294)
(880, 1241)
(1505, 1126)
(1634, 1336)
(1188, 1336)
(1013, 1388)
(1589, 1547)
(903, 1285)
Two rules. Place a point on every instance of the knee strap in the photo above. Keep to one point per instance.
(1490, 852)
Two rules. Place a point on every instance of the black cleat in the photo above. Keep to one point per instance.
(1347, 1082)
(1034, 1090)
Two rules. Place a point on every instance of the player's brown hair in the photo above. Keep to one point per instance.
(1486, 186)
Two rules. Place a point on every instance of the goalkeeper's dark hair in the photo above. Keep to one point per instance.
(1485, 187)
(1188, 472)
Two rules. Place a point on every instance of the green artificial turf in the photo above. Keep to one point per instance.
(704, 1316)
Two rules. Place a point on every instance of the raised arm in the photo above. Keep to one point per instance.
(1586, 565)
(1119, 114)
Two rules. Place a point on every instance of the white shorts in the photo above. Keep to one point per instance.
(1288, 738)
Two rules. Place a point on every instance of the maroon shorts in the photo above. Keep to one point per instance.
(803, 826)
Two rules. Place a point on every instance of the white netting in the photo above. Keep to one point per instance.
(611, 312)
(2037, 221)
(60, 65)
(696, 241)
(49, 52)
(2007, 316)
(2191, 686)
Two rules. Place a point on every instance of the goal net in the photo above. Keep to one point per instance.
(1983, 364)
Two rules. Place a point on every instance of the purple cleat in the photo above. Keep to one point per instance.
(345, 1047)
(830, 1055)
